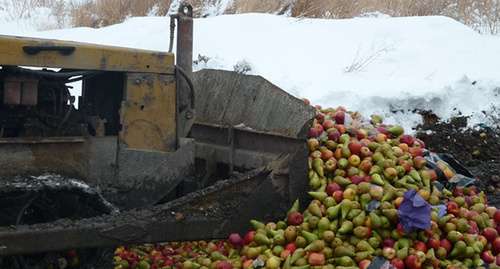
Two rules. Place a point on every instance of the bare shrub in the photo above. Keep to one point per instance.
(18, 9)
(107, 12)
(363, 59)
(481, 15)
(259, 6)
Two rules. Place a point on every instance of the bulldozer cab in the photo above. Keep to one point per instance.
(132, 143)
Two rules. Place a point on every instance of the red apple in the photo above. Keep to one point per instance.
(365, 165)
(326, 154)
(468, 200)
(354, 146)
(295, 218)
(405, 164)
(388, 242)
(320, 117)
(364, 264)
(473, 188)
(433, 243)
(247, 263)
(495, 246)
(338, 196)
(327, 124)
(285, 253)
(398, 201)
(407, 139)
(168, 262)
(496, 216)
(361, 133)
(400, 229)
(383, 130)
(222, 250)
(339, 117)
(489, 233)
(398, 263)
(316, 259)
(389, 253)
(319, 128)
(487, 257)
(416, 151)
(464, 213)
(337, 154)
(223, 265)
(235, 241)
(291, 247)
(413, 261)
(356, 179)
(452, 208)
(341, 128)
(332, 187)
(419, 143)
(419, 162)
(446, 244)
(313, 133)
(474, 229)
(420, 246)
(334, 136)
(433, 174)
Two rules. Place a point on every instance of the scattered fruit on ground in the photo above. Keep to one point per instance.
(360, 170)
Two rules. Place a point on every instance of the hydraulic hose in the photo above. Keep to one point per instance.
(189, 82)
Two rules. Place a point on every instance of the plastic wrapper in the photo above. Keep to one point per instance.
(380, 263)
(414, 212)
(373, 205)
(459, 177)
(353, 125)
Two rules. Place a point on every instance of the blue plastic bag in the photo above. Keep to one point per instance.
(414, 212)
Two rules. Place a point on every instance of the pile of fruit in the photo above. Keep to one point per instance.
(362, 174)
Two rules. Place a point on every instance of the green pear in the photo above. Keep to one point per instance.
(342, 251)
(346, 227)
(316, 246)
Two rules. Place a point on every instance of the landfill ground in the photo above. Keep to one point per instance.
(476, 148)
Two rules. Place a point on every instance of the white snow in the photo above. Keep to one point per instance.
(375, 64)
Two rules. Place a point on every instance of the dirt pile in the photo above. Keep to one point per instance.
(477, 148)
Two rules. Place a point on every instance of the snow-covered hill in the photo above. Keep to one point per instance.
(389, 66)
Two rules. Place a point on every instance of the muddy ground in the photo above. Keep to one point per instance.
(477, 149)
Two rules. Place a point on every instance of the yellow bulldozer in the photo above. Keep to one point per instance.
(149, 152)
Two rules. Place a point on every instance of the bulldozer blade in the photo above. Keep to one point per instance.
(251, 102)
(214, 212)
(246, 122)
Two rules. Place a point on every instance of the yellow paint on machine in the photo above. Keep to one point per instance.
(148, 112)
(24, 51)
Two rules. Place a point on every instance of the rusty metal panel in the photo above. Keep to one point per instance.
(148, 113)
(230, 98)
(23, 51)
(91, 159)
(146, 177)
(214, 212)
